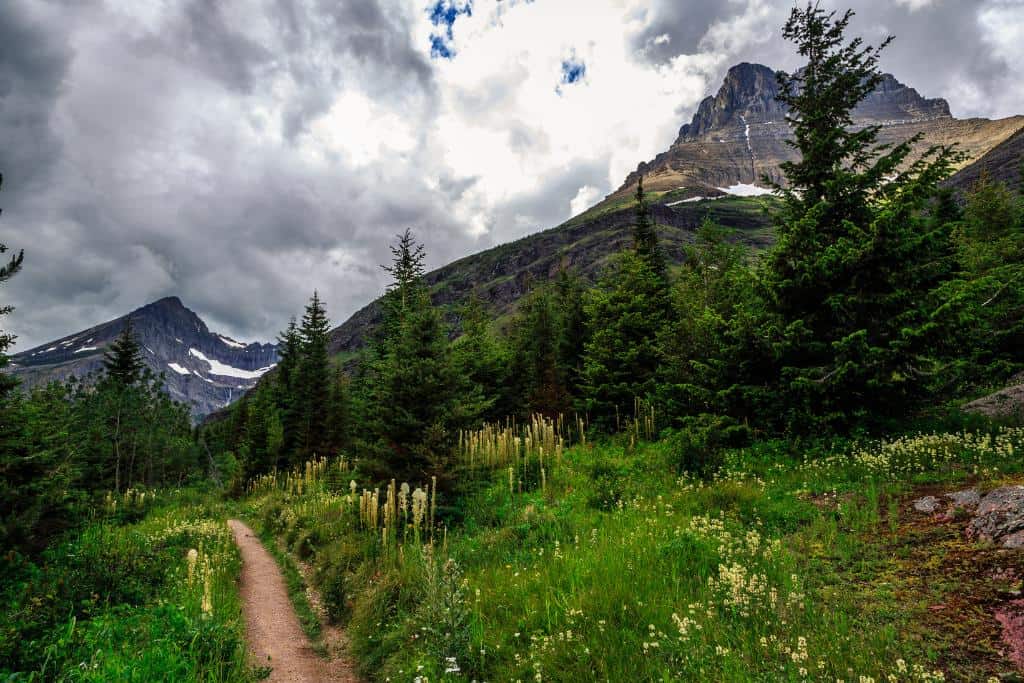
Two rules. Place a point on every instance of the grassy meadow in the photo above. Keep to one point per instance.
(791, 562)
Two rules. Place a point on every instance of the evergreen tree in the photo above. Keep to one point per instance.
(313, 381)
(856, 261)
(406, 271)
(535, 355)
(572, 330)
(626, 314)
(985, 301)
(339, 414)
(482, 362)
(645, 234)
(417, 403)
(289, 355)
(122, 362)
(708, 341)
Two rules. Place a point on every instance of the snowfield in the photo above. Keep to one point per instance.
(218, 368)
(179, 369)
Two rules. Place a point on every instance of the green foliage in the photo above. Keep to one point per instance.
(984, 303)
(778, 565)
(851, 280)
(312, 385)
(645, 235)
(536, 332)
(713, 338)
(482, 360)
(122, 603)
(70, 443)
(626, 313)
(415, 397)
(122, 362)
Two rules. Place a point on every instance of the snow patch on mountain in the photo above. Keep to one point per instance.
(179, 369)
(746, 190)
(218, 368)
(231, 342)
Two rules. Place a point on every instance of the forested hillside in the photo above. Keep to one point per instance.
(696, 450)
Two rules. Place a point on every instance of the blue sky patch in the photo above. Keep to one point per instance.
(443, 14)
(573, 70)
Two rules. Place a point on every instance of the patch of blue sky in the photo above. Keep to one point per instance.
(573, 71)
(443, 14)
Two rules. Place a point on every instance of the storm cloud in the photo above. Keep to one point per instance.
(240, 154)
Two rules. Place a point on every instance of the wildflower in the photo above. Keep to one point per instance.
(193, 555)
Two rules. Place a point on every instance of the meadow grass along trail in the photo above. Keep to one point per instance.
(271, 627)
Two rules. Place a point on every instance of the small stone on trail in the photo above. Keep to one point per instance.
(928, 504)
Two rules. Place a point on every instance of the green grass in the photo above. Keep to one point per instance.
(797, 562)
(121, 600)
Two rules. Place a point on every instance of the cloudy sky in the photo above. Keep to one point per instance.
(240, 153)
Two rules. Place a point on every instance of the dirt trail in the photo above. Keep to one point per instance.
(271, 628)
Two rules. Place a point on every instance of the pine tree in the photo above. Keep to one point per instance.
(313, 380)
(416, 404)
(537, 376)
(289, 351)
(985, 301)
(707, 343)
(572, 330)
(626, 315)
(122, 362)
(856, 261)
(645, 234)
(482, 361)
(338, 436)
(406, 271)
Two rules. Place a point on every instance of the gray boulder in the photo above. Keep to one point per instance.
(999, 518)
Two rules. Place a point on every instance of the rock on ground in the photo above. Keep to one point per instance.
(1008, 402)
(1000, 517)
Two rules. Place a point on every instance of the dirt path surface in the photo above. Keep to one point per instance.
(271, 628)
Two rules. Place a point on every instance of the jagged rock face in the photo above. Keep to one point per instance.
(748, 96)
(206, 370)
(892, 102)
(739, 135)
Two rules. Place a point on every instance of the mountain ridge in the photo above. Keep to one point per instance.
(740, 134)
(734, 137)
(202, 368)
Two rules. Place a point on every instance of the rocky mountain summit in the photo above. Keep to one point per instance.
(201, 368)
(739, 134)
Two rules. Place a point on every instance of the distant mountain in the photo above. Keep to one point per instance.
(739, 135)
(206, 370)
(711, 170)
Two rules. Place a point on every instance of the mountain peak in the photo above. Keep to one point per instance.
(201, 368)
(167, 302)
(748, 93)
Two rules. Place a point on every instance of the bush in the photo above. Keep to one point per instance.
(696, 448)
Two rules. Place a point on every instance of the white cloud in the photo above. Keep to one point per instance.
(584, 199)
(241, 154)
(915, 5)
